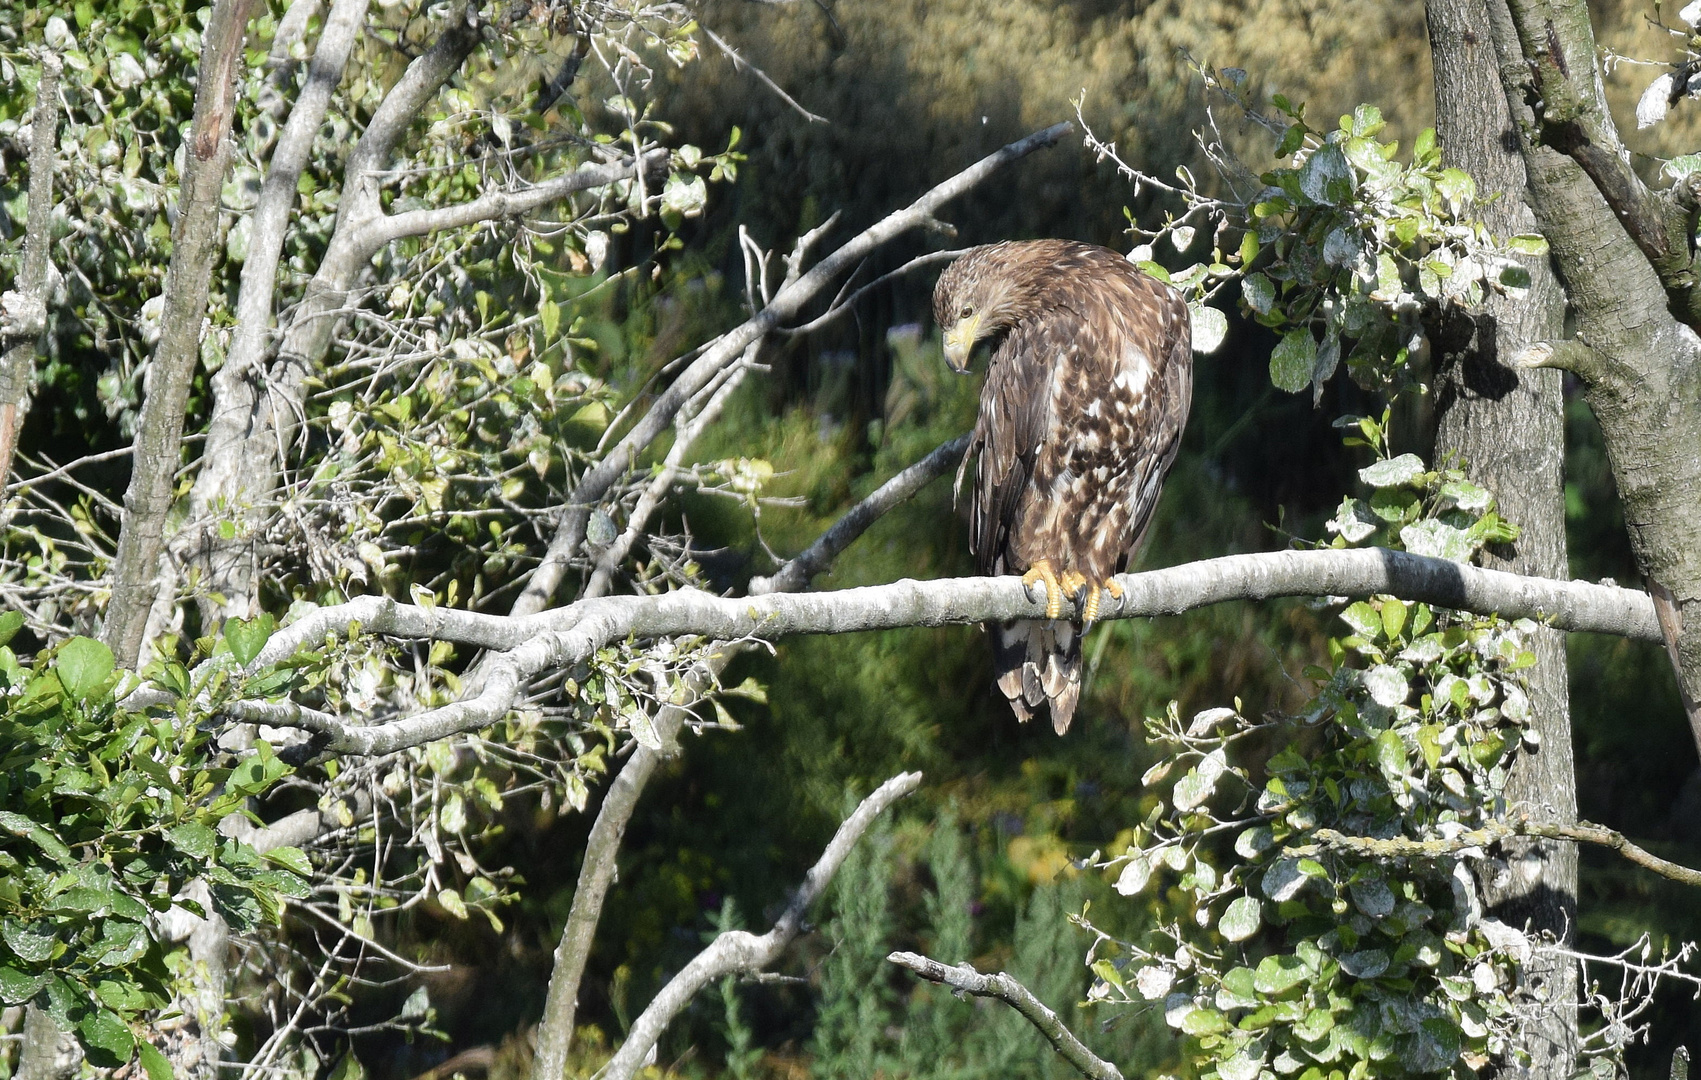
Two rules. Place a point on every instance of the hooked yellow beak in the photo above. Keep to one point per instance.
(959, 342)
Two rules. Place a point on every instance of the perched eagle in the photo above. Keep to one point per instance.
(1080, 418)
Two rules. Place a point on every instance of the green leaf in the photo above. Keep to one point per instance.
(37, 834)
(1527, 244)
(153, 1062)
(1391, 753)
(17, 987)
(1294, 360)
(1393, 617)
(1259, 292)
(1204, 1022)
(1134, 875)
(1457, 187)
(82, 665)
(1241, 919)
(1278, 973)
(1210, 326)
(193, 839)
(549, 316)
(1363, 618)
(10, 623)
(246, 637)
(106, 1038)
(1393, 472)
(451, 902)
(1515, 276)
(292, 859)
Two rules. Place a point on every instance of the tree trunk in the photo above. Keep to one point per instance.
(159, 434)
(1507, 426)
(1640, 364)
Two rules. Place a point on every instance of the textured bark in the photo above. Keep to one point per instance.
(159, 433)
(1507, 425)
(17, 369)
(1642, 367)
(47, 1052)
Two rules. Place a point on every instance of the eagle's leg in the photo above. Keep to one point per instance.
(1042, 573)
(1090, 606)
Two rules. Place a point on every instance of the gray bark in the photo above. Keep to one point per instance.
(738, 951)
(25, 310)
(159, 434)
(1506, 423)
(1625, 256)
(48, 1053)
(562, 637)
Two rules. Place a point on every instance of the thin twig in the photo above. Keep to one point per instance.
(967, 980)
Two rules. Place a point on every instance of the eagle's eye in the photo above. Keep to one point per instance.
(968, 310)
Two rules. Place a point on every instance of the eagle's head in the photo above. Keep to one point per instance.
(986, 292)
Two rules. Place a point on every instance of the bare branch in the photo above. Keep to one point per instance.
(738, 950)
(502, 204)
(797, 573)
(840, 306)
(278, 194)
(23, 313)
(744, 65)
(966, 980)
(570, 532)
(555, 1029)
(562, 637)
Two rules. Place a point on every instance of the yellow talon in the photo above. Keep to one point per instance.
(1042, 573)
(1090, 609)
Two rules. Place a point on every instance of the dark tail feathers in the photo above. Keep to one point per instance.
(1038, 661)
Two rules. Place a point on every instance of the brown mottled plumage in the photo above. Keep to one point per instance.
(1080, 418)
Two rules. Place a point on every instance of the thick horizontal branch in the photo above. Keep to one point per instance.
(1583, 832)
(739, 951)
(562, 637)
(966, 980)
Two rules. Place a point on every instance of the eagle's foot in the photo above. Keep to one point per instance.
(1090, 605)
(1042, 573)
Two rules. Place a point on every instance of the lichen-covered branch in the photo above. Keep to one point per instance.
(565, 636)
(195, 242)
(738, 950)
(792, 297)
(1583, 832)
(966, 980)
(23, 312)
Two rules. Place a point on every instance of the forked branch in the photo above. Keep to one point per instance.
(740, 951)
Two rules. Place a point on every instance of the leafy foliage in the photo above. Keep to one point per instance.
(109, 812)
(1308, 954)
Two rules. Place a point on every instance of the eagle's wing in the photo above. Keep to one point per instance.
(1016, 419)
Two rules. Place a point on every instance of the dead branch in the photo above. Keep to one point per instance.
(1584, 832)
(562, 637)
(737, 950)
(797, 573)
(966, 980)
